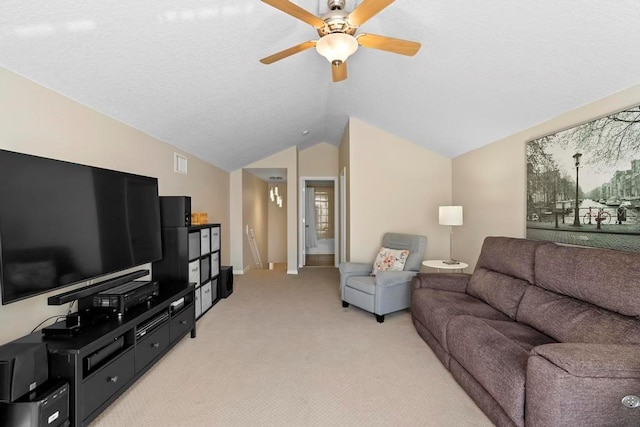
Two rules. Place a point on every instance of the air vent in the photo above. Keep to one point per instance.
(179, 163)
(275, 178)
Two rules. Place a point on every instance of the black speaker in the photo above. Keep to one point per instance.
(175, 211)
(226, 281)
(23, 367)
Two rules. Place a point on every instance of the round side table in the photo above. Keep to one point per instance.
(441, 265)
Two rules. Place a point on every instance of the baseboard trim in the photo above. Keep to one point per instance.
(238, 272)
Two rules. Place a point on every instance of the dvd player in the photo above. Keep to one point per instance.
(120, 299)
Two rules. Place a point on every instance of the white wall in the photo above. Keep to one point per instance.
(490, 182)
(395, 186)
(38, 121)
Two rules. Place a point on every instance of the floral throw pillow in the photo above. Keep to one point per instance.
(390, 260)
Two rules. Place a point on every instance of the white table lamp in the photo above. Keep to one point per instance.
(450, 215)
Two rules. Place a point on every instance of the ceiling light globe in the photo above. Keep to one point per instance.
(337, 46)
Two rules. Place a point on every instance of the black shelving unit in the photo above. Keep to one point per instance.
(192, 254)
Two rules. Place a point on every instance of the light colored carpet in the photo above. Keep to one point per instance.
(282, 351)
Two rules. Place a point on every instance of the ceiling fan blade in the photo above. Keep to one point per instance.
(403, 47)
(339, 71)
(288, 52)
(296, 11)
(367, 10)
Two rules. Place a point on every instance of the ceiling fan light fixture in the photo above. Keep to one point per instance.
(337, 46)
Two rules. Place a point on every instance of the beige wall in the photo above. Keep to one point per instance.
(343, 165)
(38, 121)
(236, 222)
(286, 159)
(490, 182)
(255, 217)
(319, 160)
(397, 186)
(277, 251)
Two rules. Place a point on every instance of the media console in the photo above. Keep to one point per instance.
(105, 357)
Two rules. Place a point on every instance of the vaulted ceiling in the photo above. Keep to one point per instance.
(188, 72)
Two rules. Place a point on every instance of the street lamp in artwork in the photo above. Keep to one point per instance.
(576, 218)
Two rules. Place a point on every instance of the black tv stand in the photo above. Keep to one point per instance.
(106, 356)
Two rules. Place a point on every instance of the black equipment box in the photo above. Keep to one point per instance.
(121, 298)
(47, 406)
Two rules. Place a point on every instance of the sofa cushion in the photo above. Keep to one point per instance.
(570, 320)
(603, 277)
(366, 284)
(511, 256)
(498, 290)
(413, 243)
(495, 353)
(435, 308)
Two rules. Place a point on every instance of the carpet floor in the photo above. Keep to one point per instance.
(282, 351)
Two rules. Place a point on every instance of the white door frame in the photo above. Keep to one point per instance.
(343, 215)
(302, 193)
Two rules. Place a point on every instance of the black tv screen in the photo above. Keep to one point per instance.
(62, 223)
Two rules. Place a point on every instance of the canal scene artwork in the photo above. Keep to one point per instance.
(583, 183)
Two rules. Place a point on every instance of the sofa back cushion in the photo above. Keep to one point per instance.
(500, 291)
(504, 270)
(414, 243)
(603, 277)
(567, 319)
(510, 256)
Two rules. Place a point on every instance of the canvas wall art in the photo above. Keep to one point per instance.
(583, 183)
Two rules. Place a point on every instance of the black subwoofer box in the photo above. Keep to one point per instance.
(23, 367)
(226, 281)
(175, 211)
(47, 406)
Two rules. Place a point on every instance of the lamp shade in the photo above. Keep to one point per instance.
(337, 46)
(450, 215)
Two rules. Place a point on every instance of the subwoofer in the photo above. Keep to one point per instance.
(226, 281)
(23, 367)
(175, 211)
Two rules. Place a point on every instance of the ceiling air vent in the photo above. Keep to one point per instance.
(179, 163)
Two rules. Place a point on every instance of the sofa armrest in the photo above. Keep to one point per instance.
(593, 360)
(582, 384)
(393, 278)
(455, 282)
(359, 268)
(351, 269)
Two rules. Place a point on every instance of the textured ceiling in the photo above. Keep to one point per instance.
(187, 72)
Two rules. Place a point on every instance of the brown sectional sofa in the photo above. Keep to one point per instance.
(540, 334)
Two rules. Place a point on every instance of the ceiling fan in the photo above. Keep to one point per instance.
(337, 30)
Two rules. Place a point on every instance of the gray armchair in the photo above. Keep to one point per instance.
(387, 291)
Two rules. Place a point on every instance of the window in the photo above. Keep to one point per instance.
(324, 221)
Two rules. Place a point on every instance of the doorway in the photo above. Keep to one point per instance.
(319, 227)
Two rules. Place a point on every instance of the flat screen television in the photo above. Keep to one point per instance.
(63, 223)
